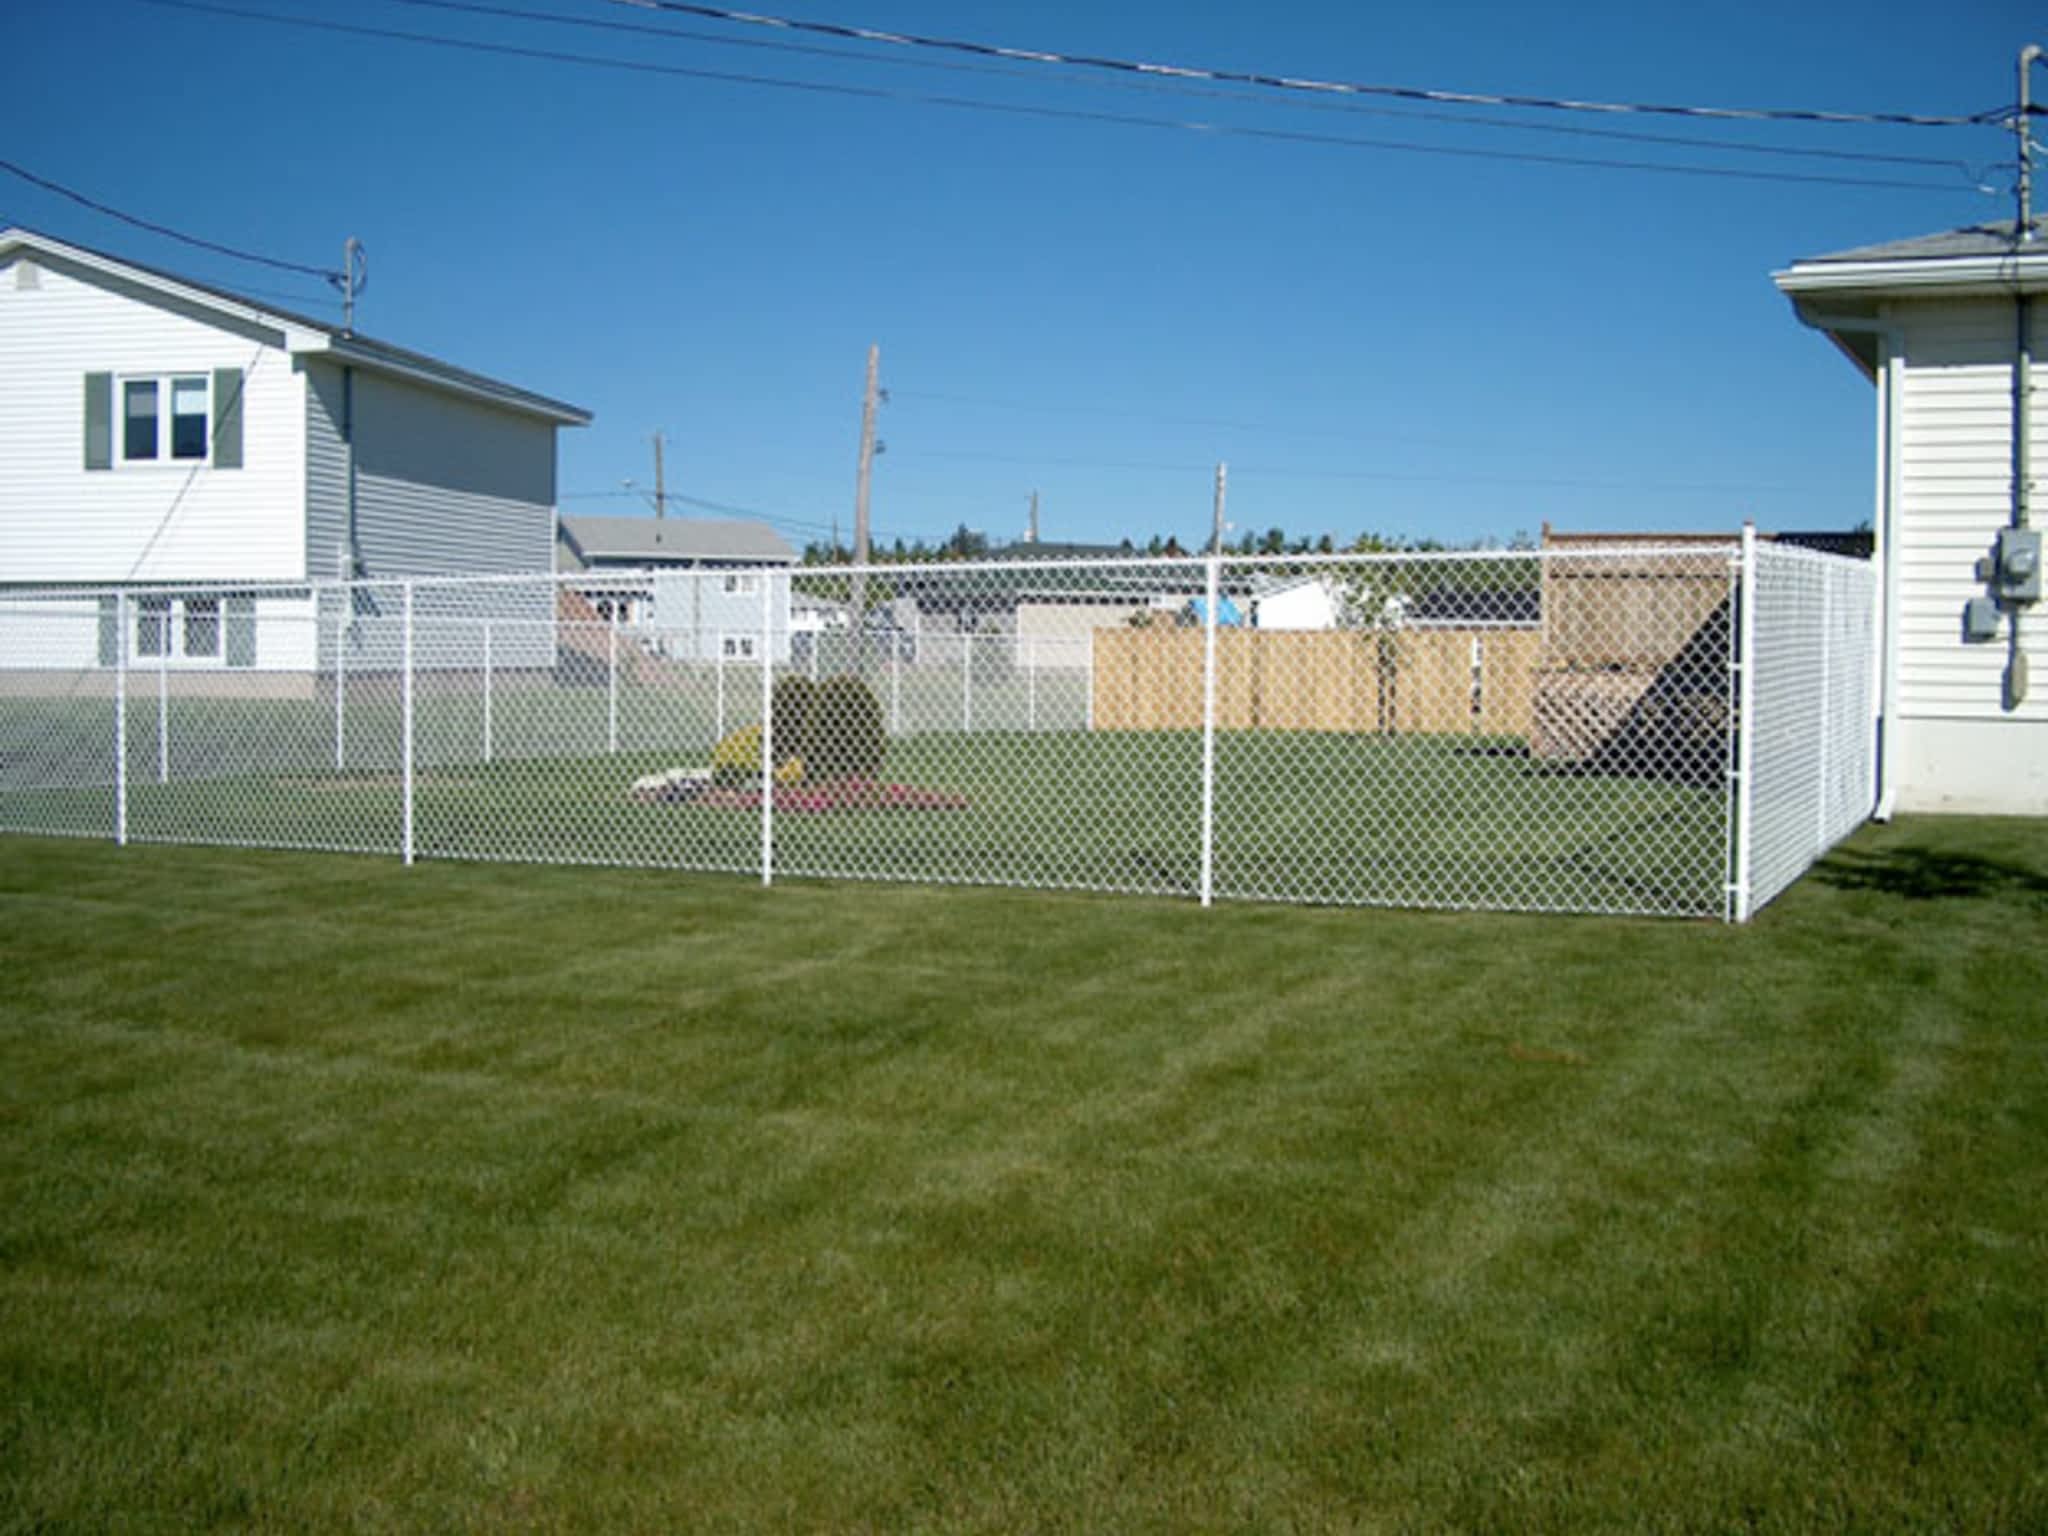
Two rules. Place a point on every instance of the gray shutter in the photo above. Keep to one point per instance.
(110, 628)
(241, 619)
(227, 418)
(99, 421)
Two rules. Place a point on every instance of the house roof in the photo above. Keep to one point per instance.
(672, 540)
(301, 334)
(1990, 239)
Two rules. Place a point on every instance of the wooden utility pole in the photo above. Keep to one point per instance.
(1031, 528)
(870, 399)
(660, 485)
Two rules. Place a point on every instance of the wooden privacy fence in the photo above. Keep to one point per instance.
(1394, 681)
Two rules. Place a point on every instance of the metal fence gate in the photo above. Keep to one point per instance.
(1669, 731)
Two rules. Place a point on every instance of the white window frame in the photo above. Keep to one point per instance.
(739, 648)
(166, 385)
(741, 584)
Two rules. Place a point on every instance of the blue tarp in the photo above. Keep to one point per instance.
(1227, 615)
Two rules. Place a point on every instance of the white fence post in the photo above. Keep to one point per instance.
(163, 707)
(1745, 714)
(1209, 732)
(1088, 703)
(767, 731)
(487, 690)
(895, 683)
(1030, 685)
(1823, 735)
(121, 720)
(346, 594)
(966, 683)
(405, 682)
(718, 675)
(611, 702)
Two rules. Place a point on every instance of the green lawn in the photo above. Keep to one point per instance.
(1411, 820)
(336, 1196)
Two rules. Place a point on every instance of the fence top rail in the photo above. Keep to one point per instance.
(1181, 565)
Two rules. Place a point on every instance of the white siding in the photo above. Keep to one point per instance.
(60, 522)
(1955, 493)
(694, 613)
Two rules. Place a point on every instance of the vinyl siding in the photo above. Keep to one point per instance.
(447, 486)
(326, 475)
(1955, 493)
(60, 522)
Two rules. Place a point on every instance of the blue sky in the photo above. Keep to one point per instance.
(1420, 345)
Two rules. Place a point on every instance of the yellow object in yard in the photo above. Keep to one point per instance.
(737, 760)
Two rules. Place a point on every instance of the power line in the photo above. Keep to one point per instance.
(1165, 87)
(1020, 109)
(1298, 83)
(324, 273)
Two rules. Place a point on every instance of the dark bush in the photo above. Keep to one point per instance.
(795, 706)
(844, 737)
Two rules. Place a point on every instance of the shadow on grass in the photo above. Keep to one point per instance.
(1919, 874)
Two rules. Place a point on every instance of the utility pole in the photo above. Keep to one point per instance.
(1216, 532)
(660, 485)
(1031, 528)
(870, 399)
(2022, 125)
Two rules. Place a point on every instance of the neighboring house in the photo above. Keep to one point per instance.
(1940, 325)
(692, 585)
(165, 434)
(1294, 602)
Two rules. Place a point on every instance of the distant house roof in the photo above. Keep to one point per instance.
(301, 335)
(653, 541)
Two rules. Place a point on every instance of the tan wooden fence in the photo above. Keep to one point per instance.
(1397, 681)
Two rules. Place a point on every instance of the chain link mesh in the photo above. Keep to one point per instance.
(1550, 731)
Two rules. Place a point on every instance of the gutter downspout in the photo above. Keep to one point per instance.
(1886, 376)
(351, 556)
(2022, 369)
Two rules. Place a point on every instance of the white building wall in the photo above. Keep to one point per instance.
(1305, 605)
(1959, 748)
(143, 522)
(695, 615)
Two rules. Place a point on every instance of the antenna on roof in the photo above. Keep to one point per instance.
(355, 277)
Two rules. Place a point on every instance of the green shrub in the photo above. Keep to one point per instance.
(844, 737)
(795, 704)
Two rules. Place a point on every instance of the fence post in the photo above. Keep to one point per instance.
(163, 706)
(1030, 685)
(346, 594)
(405, 681)
(767, 730)
(487, 690)
(1820, 731)
(1745, 718)
(611, 698)
(1088, 703)
(966, 683)
(1209, 731)
(895, 683)
(718, 677)
(121, 720)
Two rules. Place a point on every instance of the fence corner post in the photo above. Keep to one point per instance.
(1745, 725)
(1215, 583)
(405, 685)
(121, 719)
(768, 727)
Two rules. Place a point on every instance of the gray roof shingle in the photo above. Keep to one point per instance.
(1994, 238)
(661, 541)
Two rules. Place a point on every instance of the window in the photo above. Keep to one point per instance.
(152, 626)
(739, 586)
(202, 626)
(739, 646)
(138, 419)
(150, 434)
(188, 418)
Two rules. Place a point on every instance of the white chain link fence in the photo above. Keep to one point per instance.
(1554, 731)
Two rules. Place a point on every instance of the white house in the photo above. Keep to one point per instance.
(1946, 326)
(1295, 602)
(691, 587)
(219, 453)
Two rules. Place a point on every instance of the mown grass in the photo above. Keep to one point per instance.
(337, 1196)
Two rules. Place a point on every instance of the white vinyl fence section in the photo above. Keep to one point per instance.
(1677, 732)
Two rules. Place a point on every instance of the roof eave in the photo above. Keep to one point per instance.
(1961, 276)
(342, 350)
